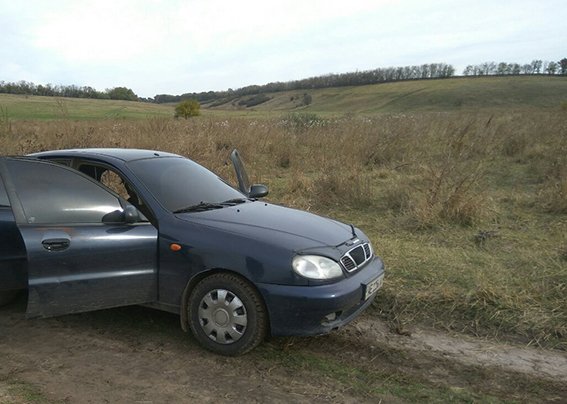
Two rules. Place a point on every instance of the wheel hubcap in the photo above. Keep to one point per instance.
(222, 316)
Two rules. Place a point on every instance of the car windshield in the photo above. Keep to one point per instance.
(179, 183)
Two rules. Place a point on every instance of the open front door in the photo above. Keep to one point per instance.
(77, 260)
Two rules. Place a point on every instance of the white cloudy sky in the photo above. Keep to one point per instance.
(176, 46)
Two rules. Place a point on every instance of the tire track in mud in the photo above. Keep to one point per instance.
(452, 361)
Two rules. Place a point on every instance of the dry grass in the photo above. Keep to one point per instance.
(425, 187)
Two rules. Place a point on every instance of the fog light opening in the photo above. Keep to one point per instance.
(331, 317)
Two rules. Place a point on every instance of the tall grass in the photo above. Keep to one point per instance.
(5, 121)
(467, 210)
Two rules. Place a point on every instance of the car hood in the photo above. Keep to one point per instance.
(298, 229)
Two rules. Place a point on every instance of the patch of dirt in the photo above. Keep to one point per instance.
(139, 355)
(539, 363)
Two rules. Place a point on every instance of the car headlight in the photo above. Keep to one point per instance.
(316, 267)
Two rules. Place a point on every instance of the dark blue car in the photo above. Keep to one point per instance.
(90, 229)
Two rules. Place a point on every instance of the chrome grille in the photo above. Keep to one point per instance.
(356, 257)
(348, 263)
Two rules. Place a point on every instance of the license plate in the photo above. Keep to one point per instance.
(373, 286)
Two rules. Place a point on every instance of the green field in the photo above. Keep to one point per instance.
(448, 95)
(20, 107)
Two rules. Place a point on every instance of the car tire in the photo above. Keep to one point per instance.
(227, 315)
(7, 296)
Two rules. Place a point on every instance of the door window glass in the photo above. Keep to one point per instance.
(51, 194)
(113, 181)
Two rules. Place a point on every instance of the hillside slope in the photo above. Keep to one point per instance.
(421, 95)
(30, 107)
(457, 94)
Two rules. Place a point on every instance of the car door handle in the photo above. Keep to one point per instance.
(56, 244)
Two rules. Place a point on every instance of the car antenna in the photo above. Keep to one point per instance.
(353, 232)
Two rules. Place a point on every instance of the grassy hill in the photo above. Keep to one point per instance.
(457, 94)
(20, 107)
(420, 95)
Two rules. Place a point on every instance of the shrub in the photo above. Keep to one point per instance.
(188, 108)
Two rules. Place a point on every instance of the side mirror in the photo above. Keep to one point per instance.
(131, 214)
(258, 191)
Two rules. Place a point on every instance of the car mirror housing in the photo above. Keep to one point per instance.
(131, 214)
(258, 191)
(116, 216)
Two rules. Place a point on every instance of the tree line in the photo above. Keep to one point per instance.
(536, 66)
(73, 91)
(358, 78)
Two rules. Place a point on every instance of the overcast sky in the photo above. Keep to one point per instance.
(174, 46)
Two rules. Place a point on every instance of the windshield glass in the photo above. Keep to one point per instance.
(179, 183)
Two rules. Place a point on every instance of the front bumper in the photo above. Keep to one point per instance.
(304, 310)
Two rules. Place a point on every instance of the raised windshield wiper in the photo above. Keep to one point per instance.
(200, 207)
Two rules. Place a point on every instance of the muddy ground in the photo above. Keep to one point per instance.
(139, 355)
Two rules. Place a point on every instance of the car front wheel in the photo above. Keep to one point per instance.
(227, 315)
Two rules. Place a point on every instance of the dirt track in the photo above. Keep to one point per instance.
(140, 355)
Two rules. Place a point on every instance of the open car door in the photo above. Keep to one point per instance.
(82, 255)
(252, 191)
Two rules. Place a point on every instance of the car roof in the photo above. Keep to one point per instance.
(122, 154)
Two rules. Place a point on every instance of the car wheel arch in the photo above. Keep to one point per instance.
(194, 281)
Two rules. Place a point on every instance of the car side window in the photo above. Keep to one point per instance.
(51, 194)
(113, 181)
(119, 185)
(4, 201)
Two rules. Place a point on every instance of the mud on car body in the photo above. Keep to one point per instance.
(89, 229)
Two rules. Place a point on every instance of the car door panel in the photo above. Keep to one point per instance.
(75, 262)
(103, 266)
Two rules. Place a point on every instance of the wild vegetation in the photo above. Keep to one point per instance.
(537, 66)
(20, 107)
(483, 93)
(487, 93)
(358, 78)
(256, 93)
(23, 87)
(188, 108)
(375, 76)
(468, 208)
